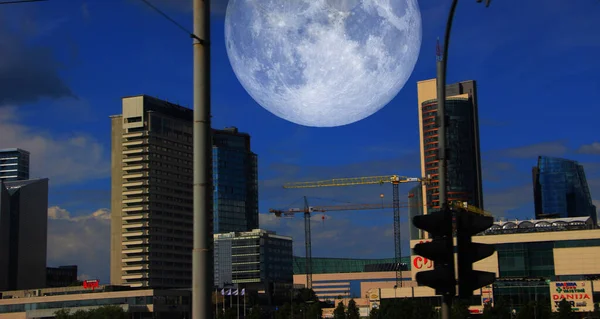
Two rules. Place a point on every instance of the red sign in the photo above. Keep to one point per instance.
(91, 284)
(420, 262)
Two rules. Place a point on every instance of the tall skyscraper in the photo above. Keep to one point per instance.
(152, 220)
(560, 189)
(235, 177)
(463, 179)
(23, 234)
(14, 164)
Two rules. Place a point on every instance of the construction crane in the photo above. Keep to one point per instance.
(307, 210)
(471, 208)
(395, 180)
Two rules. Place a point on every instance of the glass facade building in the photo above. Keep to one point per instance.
(14, 164)
(462, 148)
(463, 175)
(23, 234)
(560, 189)
(235, 177)
(526, 267)
(258, 258)
(347, 265)
(151, 191)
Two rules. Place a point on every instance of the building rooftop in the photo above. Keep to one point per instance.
(540, 225)
(3, 150)
(325, 265)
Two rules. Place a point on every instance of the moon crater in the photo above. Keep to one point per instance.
(323, 63)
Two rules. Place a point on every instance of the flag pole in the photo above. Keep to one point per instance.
(244, 290)
(223, 294)
(238, 302)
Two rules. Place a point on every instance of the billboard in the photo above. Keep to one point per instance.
(487, 295)
(578, 293)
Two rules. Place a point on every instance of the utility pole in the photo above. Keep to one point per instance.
(202, 266)
(441, 114)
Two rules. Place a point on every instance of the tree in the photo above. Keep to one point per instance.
(113, 312)
(314, 310)
(498, 311)
(255, 313)
(339, 312)
(352, 311)
(564, 310)
(230, 313)
(459, 310)
(422, 310)
(62, 314)
(374, 313)
(527, 311)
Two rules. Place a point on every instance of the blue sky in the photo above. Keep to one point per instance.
(65, 64)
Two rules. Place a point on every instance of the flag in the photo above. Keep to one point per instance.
(243, 291)
(229, 292)
(223, 292)
(235, 293)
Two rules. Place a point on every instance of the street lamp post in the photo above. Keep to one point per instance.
(202, 272)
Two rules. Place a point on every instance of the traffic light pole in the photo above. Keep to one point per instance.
(441, 102)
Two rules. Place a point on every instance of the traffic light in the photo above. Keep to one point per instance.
(467, 225)
(440, 250)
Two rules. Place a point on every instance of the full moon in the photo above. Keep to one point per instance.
(323, 63)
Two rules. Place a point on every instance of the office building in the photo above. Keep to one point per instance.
(61, 276)
(463, 175)
(259, 260)
(532, 258)
(14, 164)
(560, 189)
(235, 178)
(138, 303)
(23, 234)
(151, 199)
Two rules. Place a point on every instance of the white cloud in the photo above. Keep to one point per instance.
(593, 148)
(80, 240)
(532, 151)
(64, 159)
(341, 234)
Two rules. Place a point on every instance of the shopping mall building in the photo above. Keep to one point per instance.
(532, 259)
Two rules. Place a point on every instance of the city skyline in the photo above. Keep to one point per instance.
(518, 81)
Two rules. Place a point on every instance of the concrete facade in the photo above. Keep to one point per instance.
(151, 191)
(43, 303)
(23, 234)
(151, 199)
(528, 259)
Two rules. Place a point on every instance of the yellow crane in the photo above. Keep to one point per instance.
(307, 210)
(395, 180)
(471, 208)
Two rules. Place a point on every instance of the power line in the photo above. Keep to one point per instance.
(20, 1)
(191, 34)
